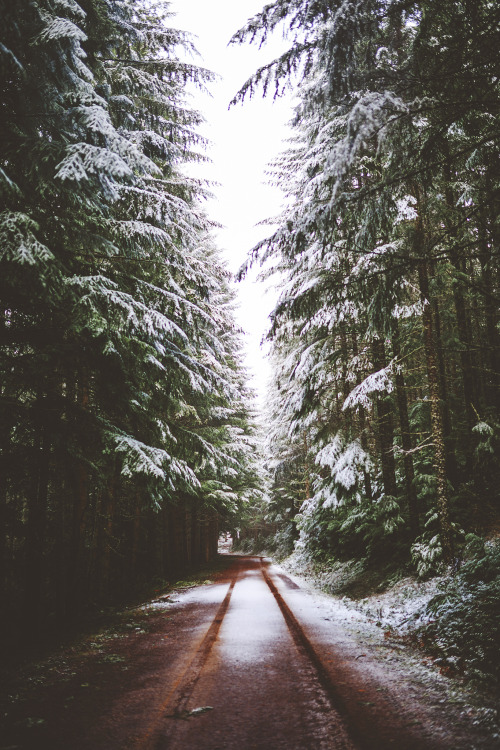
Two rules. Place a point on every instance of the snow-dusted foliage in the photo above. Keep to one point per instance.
(376, 383)
(463, 627)
(385, 334)
(161, 297)
(348, 467)
(19, 242)
(121, 371)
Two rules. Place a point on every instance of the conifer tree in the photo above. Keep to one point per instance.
(123, 407)
(384, 245)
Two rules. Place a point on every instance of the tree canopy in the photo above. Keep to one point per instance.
(386, 333)
(125, 417)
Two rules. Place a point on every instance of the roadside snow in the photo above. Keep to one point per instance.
(402, 607)
(378, 624)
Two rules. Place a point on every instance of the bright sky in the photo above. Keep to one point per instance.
(245, 139)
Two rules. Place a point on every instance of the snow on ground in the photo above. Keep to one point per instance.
(402, 607)
(379, 623)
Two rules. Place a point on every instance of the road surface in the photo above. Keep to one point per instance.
(249, 662)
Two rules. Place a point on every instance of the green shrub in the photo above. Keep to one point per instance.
(464, 632)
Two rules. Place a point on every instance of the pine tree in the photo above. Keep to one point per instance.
(384, 246)
(123, 404)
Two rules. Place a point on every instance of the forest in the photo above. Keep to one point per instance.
(384, 440)
(124, 415)
(127, 433)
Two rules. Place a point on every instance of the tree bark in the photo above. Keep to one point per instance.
(451, 458)
(108, 517)
(385, 426)
(442, 500)
(488, 263)
(406, 439)
(367, 480)
(4, 526)
(80, 483)
(307, 470)
(462, 321)
(136, 530)
(37, 521)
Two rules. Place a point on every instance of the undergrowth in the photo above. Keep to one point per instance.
(463, 632)
(456, 621)
(278, 546)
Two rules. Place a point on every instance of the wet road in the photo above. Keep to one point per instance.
(249, 662)
(268, 673)
(261, 686)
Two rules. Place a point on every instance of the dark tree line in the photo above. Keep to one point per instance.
(386, 337)
(124, 425)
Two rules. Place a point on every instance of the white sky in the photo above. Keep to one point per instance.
(245, 139)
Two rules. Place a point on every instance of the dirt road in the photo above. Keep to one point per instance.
(247, 662)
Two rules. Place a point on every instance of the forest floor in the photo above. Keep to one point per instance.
(255, 657)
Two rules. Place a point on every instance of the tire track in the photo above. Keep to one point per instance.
(343, 723)
(308, 652)
(368, 732)
(174, 705)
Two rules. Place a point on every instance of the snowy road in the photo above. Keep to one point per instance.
(272, 673)
(262, 688)
(253, 661)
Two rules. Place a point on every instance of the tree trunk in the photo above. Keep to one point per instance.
(206, 536)
(385, 426)
(307, 470)
(188, 525)
(80, 483)
(451, 458)
(437, 426)
(176, 536)
(58, 569)
(406, 439)
(195, 533)
(214, 534)
(491, 314)
(345, 356)
(37, 520)
(367, 480)
(136, 530)
(108, 516)
(462, 321)
(4, 526)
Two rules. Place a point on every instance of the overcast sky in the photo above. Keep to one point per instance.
(244, 139)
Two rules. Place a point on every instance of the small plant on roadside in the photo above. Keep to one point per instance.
(464, 630)
(427, 551)
(112, 658)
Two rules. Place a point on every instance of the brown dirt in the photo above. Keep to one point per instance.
(120, 688)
